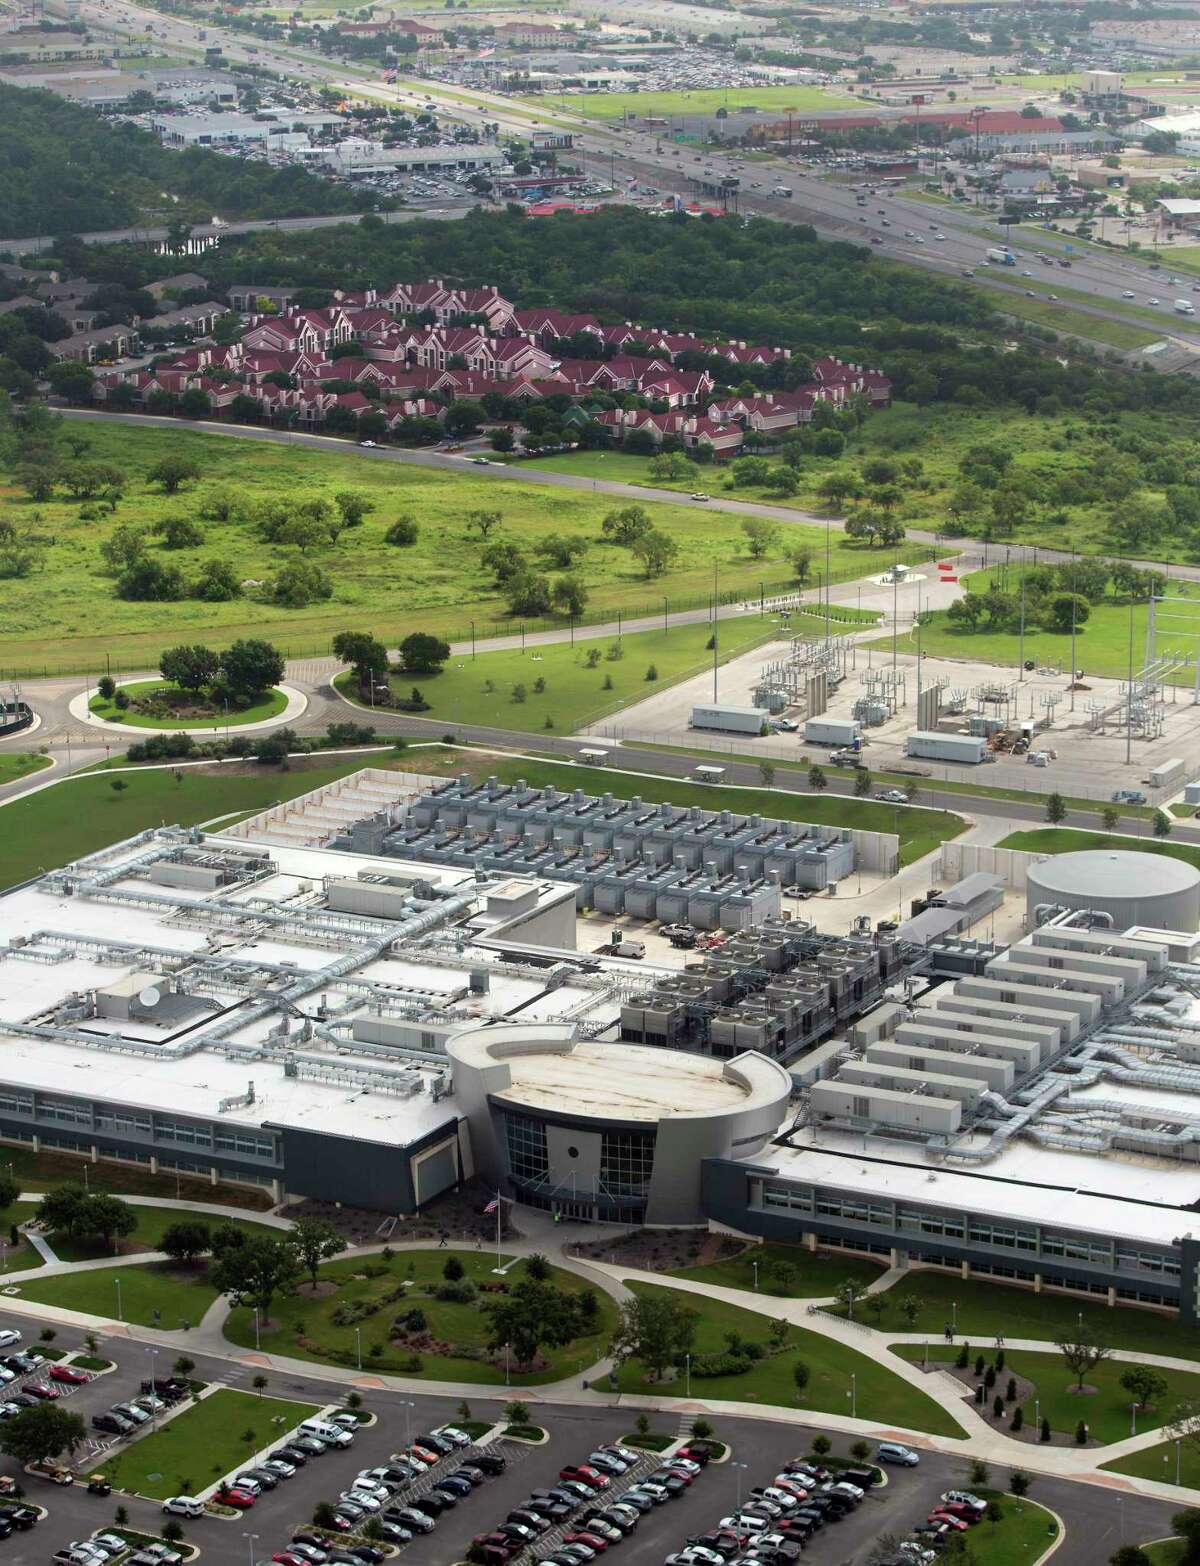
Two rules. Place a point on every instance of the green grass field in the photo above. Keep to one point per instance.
(1069, 840)
(82, 814)
(152, 1222)
(880, 1395)
(1101, 643)
(1020, 1537)
(920, 831)
(767, 100)
(582, 682)
(303, 1328)
(68, 617)
(201, 1445)
(1067, 322)
(15, 765)
(1105, 1410)
(815, 1274)
(983, 1307)
(103, 707)
(1166, 1552)
(1158, 1462)
(152, 1293)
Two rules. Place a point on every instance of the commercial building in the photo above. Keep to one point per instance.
(308, 1004)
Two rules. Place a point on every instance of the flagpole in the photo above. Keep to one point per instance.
(499, 1213)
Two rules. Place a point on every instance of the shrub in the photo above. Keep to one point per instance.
(106, 687)
(456, 1293)
(652, 672)
(453, 1270)
(707, 1365)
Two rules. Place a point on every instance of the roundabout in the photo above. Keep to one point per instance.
(283, 704)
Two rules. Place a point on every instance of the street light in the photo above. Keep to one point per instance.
(1133, 1418)
(117, 1286)
(954, 1315)
(408, 1408)
(853, 1395)
(358, 1345)
(687, 1388)
(754, 1264)
(257, 1342)
(739, 1467)
(153, 1379)
(251, 1540)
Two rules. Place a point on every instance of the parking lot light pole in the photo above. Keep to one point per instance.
(153, 1389)
(117, 1286)
(257, 1341)
(1133, 1418)
(408, 1408)
(853, 1395)
(358, 1344)
(251, 1540)
(754, 1264)
(687, 1361)
(739, 1467)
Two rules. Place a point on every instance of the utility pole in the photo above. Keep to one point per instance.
(1021, 674)
(1129, 692)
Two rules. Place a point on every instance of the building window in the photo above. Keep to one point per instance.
(188, 1131)
(244, 1142)
(123, 1123)
(69, 1111)
(16, 1103)
(528, 1160)
(626, 1162)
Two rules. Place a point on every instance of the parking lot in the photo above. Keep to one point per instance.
(1097, 1520)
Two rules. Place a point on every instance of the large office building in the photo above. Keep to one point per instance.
(273, 1006)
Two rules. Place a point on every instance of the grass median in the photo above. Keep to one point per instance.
(877, 1394)
(181, 709)
(193, 1449)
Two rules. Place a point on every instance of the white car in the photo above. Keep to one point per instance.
(452, 1433)
(361, 1498)
(1151, 301)
(699, 495)
(892, 796)
(367, 443)
(9, 1336)
(965, 1498)
(365, 1485)
(184, 1506)
(280, 1466)
(1128, 293)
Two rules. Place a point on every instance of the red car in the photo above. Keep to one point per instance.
(582, 1474)
(37, 1389)
(70, 1374)
(423, 1455)
(955, 1524)
(493, 1541)
(964, 1513)
(286, 1558)
(242, 1499)
(592, 1540)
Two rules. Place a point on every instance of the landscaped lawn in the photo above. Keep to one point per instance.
(199, 1446)
(303, 1328)
(1166, 1552)
(39, 1171)
(816, 1273)
(1106, 1411)
(270, 706)
(582, 682)
(920, 830)
(82, 814)
(67, 617)
(178, 1294)
(1021, 1536)
(1069, 840)
(19, 764)
(880, 1395)
(1158, 1462)
(152, 1221)
(986, 1307)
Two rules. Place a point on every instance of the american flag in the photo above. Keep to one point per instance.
(491, 1206)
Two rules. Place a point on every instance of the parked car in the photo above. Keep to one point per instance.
(183, 1506)
(895, 1452)
(71, 1374)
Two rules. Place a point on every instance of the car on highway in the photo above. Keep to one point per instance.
(1154, 301)
(1128, 293)
(699, 494)
(1029, 294)
(892, 796)
(939, 237)
(967, 272)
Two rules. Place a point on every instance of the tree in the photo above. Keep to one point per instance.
(484, 522)
(1067, 609)
(1144, 1384)
(1019, 1482)
(254, 1273)
(1056, 808)
(1082, 1354)
(180, 533)
(528, 593)
(1162, 824)
(800, 1375)
(626, 526)
(910, 1308)
(463, 417)
(570, 595)
(453, 1270)
(766, 771)
(1110, 819)
(46, 1431)
(802, 565)
(173, 472)
(191, 668)
(504, 559)
(186, 1240)
(183, 1367)
(10, 1189)
(1129, 1555)
(300, 583)
(862, 782)
(658, 1330)
(760, 535)
(352, 509)
(366, 655)
(656, 550)
(502, 440)
(123, 546)
(421, 653)
(817, 779)
(107, 1217)
(249, 667)
(149, 581)
(845, 1295)
(195, 403)
(314, 1241)
(403, 533)
(1186, 1525)
(216, 582)
(532, 1313)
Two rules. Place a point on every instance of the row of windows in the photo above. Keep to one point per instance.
(120, 1122)
(528, 1160)
(950, 1226)
(15, 1103)
(626, 1162)
(66, 1110)
(123, 1122)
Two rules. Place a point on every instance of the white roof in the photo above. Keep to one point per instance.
(1114, 1195)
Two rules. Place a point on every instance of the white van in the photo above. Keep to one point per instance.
(335, 1435)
